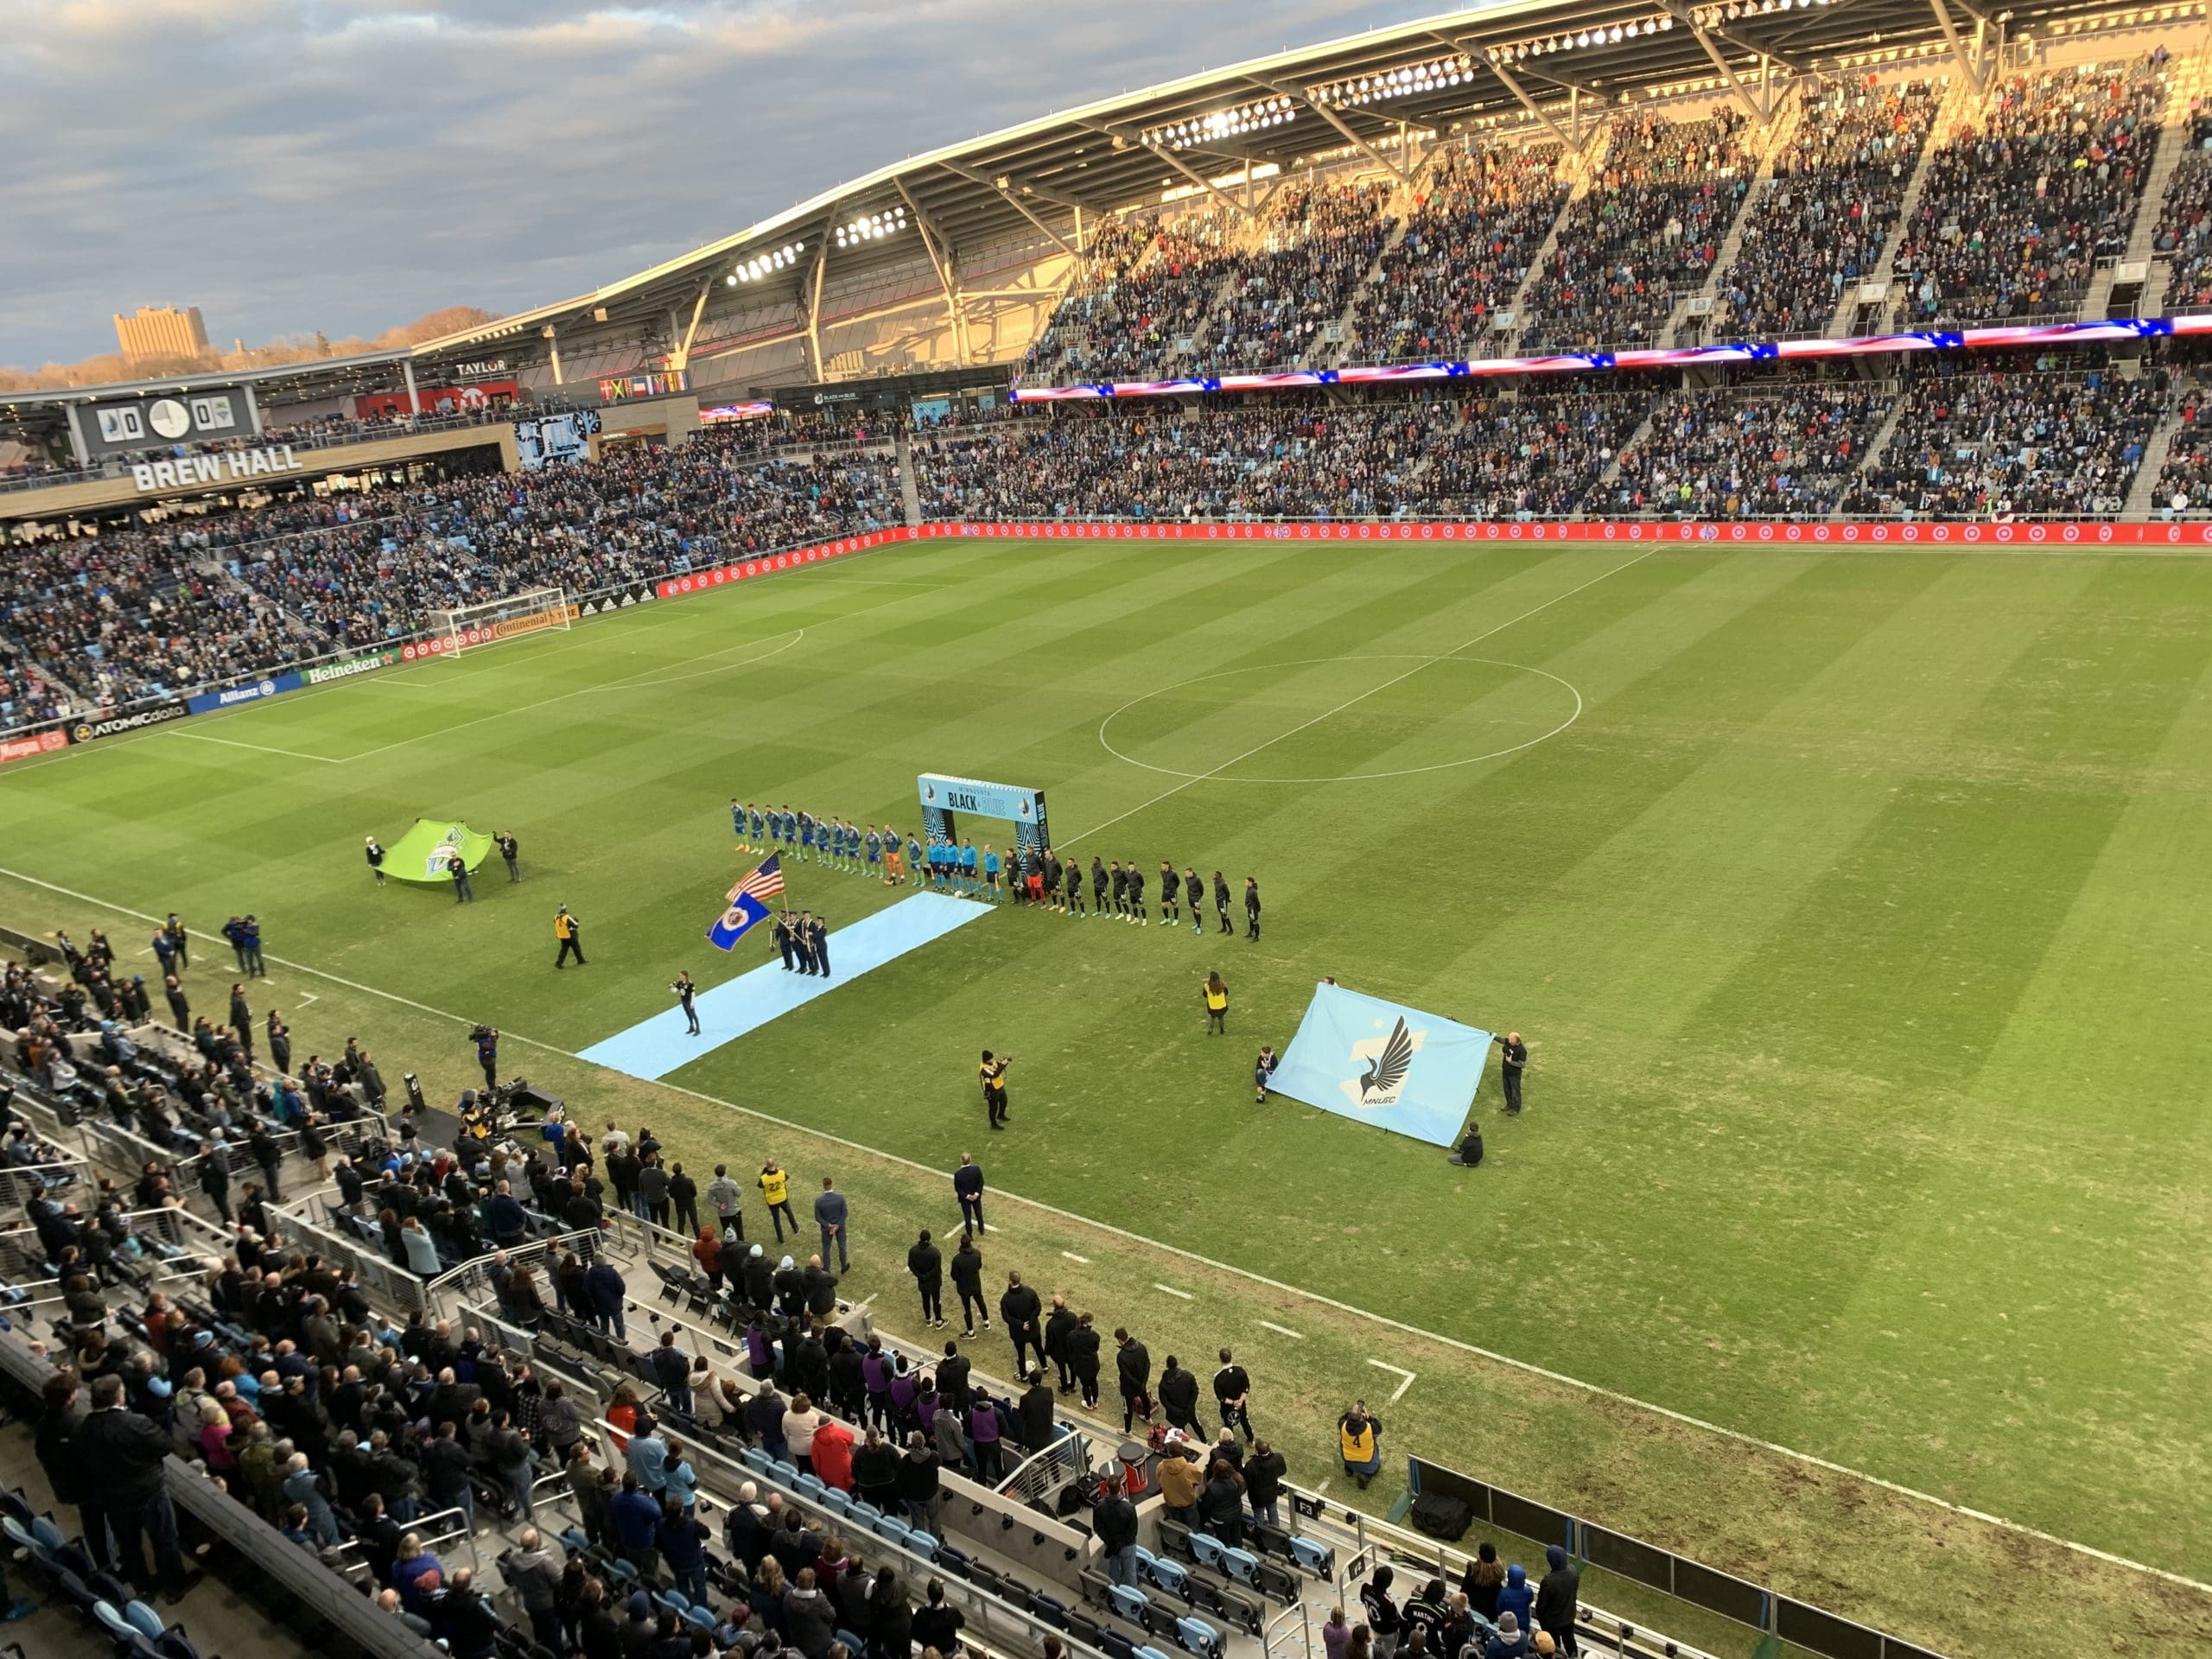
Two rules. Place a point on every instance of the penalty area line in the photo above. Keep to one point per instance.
(1528, 1368)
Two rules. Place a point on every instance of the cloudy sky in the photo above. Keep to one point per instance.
(347, 165)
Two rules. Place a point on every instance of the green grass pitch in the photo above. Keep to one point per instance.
(1854, 905)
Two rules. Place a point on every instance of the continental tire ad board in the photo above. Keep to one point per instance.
(346, 671)
(86, 731)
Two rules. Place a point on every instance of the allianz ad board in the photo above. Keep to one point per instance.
(197, 472)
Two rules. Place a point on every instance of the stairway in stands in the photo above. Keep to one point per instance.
(1779, 134)
(1961, 108)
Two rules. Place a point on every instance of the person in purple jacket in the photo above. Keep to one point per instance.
(984, 1428)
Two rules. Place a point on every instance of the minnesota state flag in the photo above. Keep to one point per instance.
(749, 903)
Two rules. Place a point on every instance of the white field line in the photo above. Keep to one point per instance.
(1329, 714)
(1398, 1370)
(1073, 1256)
(1280, 1330)
(1170, 1290)
(264, 748)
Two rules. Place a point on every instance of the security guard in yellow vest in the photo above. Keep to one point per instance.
(566, 929)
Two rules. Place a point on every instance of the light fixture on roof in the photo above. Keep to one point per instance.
(1257, 116)
(870, 227)
(764, 264)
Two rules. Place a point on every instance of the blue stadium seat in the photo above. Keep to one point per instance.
(1241, 1565)
(811, 1486)
(1129, 1602)
(921, 1543)
(1208, 1550)
(885, 1527)
(757, 1461)
(1319, 1562)
(1196, 1635)
(699, 1618)
(1150, 1653)
(785, 1472)
(147, 1622)
(835, 1499)
(1171, 1576)
(865, 1515)
(853, 1644)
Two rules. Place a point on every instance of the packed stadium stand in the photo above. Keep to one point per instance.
(397, 1378)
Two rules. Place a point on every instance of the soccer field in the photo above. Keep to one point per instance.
(1852, 903)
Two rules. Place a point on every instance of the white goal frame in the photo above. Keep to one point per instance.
(535, 610)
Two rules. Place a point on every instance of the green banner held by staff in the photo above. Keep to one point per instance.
(421, 854)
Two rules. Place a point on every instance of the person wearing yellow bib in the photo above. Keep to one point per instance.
(1216, 993)
(571, 937)
(776, 1192)
(1359, 1438)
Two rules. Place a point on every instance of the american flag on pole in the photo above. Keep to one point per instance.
(749, 903)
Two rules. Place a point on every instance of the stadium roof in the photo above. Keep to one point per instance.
(1522, 61)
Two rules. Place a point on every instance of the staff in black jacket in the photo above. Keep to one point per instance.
(1020, 1309)
(1133, 1372)
(1059, 1325)
(1083, 1359)
(121, 1455)
(967, 1280)
(1178, 1399)
(926, 1262)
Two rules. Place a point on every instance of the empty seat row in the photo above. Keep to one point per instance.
(1235, 1565)
(1129, 1603)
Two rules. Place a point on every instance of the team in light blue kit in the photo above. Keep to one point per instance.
(833, 842)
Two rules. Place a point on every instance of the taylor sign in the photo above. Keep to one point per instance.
(189, 472)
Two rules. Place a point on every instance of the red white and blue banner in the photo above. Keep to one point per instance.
(2004, 337)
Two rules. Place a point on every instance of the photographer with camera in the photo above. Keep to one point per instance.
(992, 1073)
(686, 993)
(1513, 1063)
(486, 1039)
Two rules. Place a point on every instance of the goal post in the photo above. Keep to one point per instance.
(535, 610)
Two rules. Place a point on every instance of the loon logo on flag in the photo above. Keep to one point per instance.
(1388, 1060)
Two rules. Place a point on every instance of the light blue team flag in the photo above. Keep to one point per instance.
(749, 903)
(1394, 1067)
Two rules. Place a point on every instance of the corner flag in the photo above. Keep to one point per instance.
(748, 903)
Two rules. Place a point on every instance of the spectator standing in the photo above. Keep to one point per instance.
(1133, 1373)
(1518, 1598)
(967, 1280)
(1484, 1579)
(830, 1215)
(1178, 1398)
(1264, 1473)
(1114, 1520)
(123, 1457)
(533, 1572)
(1557, 1597)
(776, 1192)
(1383, 1618)
(684, 1201)
(722, 1195)
(968, 1186)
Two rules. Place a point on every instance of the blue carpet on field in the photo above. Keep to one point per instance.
(655, 1048)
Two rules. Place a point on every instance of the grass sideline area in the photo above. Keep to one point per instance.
(1857, 888)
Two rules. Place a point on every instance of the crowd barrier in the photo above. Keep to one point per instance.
(1797, 1623)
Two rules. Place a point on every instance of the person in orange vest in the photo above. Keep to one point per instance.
(1360, 1440)
(1216, 992)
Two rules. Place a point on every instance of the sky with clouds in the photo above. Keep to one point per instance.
(347, 165)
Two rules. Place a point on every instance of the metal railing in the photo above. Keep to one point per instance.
(476, 1273)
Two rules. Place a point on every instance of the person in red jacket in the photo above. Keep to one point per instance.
(833, 1454)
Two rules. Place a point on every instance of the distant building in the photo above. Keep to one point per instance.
(161, 331)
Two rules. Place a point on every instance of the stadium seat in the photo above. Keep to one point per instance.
(785, 1472)
(1128, 1603)
(1085, 1628)
(1207, 1550)
(812, 1487)
(835, 1499)
(1114, 1645)
(1241, 1565)
(1318, 1560)
(1052, 1611)
(1277, 1580)
(987, 1578)
(864, 1515)
(885, 1527)
(924, 1545)
(1150, 1653)
(1196, 1635)
(1175, 1538)
(699, 1618)
(1171, 1576)
(1098, 1589)
(853, 1644)
(758, 1460)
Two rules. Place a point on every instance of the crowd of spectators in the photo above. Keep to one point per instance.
(2183, 232)
(1295, 457)
(1475, 229)
(1999, 445)
(1530, 455)
(1318, 244)
(196, 600)
(1645, 234)
(2016, 212)
(1146, 285)
(1820, 224)
(2184, 485)
(1782, 454)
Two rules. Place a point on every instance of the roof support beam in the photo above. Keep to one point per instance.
(814, 294)
(1330, 117)
(1529, 104)
(1743, 93)
(1136, 141)
(680, 359)
(1010, 192)
(939, 249)
(1967, 57)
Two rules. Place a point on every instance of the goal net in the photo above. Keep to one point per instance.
(533, 611)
